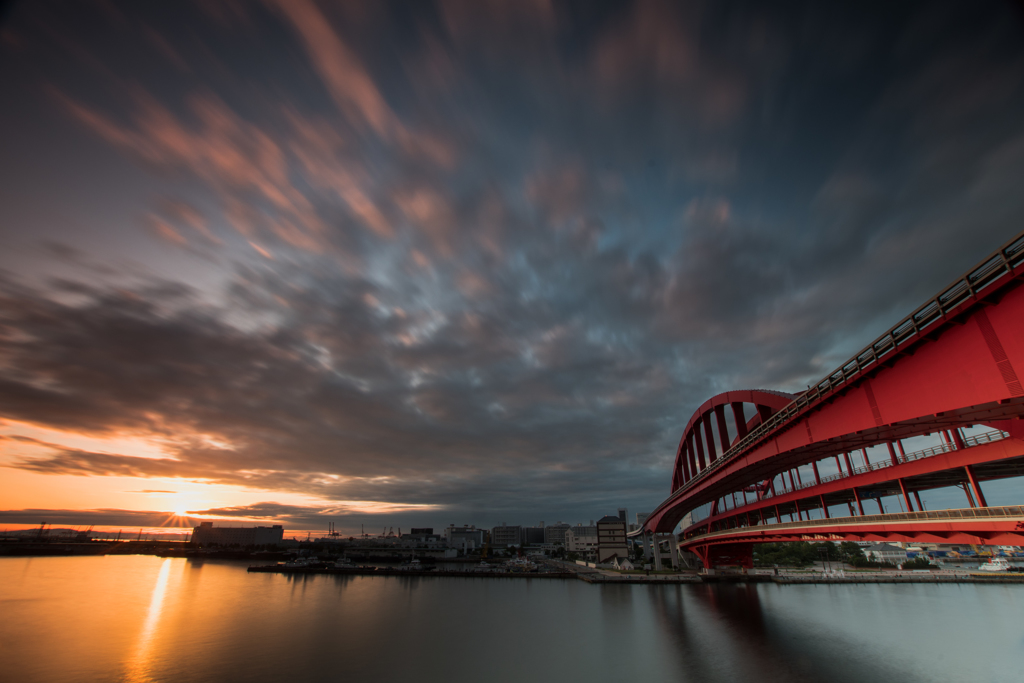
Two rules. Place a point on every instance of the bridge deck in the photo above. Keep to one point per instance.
(991, 456)
(994, 525)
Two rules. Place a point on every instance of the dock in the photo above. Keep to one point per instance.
(396, 571)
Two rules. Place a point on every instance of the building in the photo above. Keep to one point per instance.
(555, 534)
(504, 536)
(532, 535)
(207, 534)
(885, 552)
(640, 517)
(611, 539)
(464, 538)
(581, 539)
(421, 538)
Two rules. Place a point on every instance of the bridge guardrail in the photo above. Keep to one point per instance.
(1007, 261)
(966, 513)
(987, 437)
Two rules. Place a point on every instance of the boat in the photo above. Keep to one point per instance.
(995, 564)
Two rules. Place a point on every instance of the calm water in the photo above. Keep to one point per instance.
(149, 619)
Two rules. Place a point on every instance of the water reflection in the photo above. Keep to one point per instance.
(134, 616)
(138, 666)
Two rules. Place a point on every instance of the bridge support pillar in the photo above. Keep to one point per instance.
(856, 497)
(677, 558)
(906, 497)
(657, 553)
(977, 489)
(647, 546)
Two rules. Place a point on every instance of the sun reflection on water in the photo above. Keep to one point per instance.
(139, 664)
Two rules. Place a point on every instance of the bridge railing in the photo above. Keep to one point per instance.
(986, 437)
(1007, 261)
(966, 513)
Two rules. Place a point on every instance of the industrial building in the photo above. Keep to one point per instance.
(504, 536)
(207, 534)
(532, 535)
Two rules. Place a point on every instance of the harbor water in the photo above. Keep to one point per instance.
(142, 618)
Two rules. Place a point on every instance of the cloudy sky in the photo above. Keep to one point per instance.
(414, 263)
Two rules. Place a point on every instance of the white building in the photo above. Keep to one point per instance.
(886, 552)
(465, 538)
(581, 539)
(555, 533)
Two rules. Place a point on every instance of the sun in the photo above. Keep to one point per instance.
(179, 506)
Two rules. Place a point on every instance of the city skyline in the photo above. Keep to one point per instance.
(300, 263)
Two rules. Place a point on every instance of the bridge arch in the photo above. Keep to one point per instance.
(697, 447)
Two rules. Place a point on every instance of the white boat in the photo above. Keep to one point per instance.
(995, 564)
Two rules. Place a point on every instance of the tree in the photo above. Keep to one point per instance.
(919, 562)
(636, 552)
(852, 553)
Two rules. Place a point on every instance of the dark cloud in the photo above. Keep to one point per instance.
(488, 258)
(102, 517)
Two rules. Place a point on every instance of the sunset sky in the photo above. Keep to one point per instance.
(413, 263)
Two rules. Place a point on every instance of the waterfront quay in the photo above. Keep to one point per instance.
(554, 569)
(403, 571)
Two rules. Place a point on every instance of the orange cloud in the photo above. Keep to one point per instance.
(263, 252)
(348, 83)
(351, 86)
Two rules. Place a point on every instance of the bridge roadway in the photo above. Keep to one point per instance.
(974, 526)
(952, 363)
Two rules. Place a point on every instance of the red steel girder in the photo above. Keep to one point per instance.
(1008, 530)
(955, 360)
(989, 452)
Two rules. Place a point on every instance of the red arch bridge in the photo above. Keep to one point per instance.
(765, 466)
